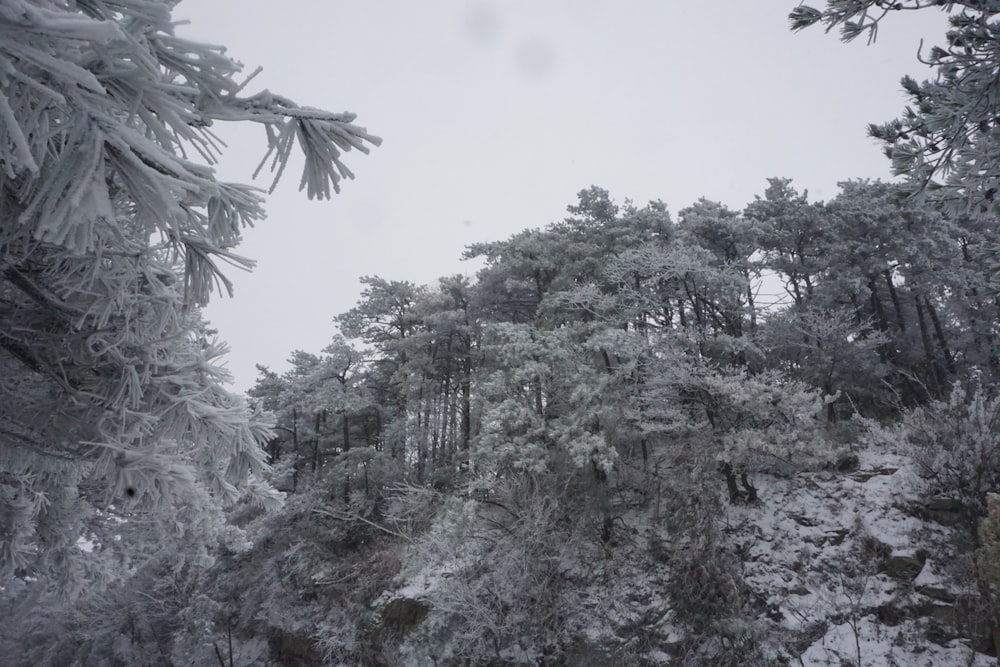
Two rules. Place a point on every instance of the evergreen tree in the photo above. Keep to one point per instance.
(946, 141)
(112, 228)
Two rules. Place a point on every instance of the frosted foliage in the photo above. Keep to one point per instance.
(505, 612)
(956, 443)
(945, 141)
(113, 229)
(523, 415)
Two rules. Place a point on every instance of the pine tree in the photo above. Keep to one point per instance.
(113, 226)
(946, 141)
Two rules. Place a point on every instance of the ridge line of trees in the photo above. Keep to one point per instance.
(601, 334)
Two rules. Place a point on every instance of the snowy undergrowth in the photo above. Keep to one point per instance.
(828, 568)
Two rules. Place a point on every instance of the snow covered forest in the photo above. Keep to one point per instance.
(613, 446)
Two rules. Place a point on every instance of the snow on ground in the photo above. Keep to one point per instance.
(843, 560)
(877, 647)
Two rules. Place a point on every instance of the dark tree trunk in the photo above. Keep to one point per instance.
(937, 375)
(315, 457)
(295, 445)
(880, 320)
(539, 403)
(939, 334)
(466, 403)
(751, 306)
(734, 489)
(748, 494)
(895, 300)
(795, 292)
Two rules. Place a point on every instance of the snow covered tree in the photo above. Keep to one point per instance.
(946, 141)
(113, 226)
(791, 236)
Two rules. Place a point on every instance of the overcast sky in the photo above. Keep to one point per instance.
(495, 114)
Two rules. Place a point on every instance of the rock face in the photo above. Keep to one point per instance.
(401, 615)
(848, 462)
(944, 510)
(931, 584)
(293, 650)
(905, 565)
(848, 563)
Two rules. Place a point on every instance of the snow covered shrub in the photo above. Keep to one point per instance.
(133, 622)
(988, 555)
(956, 444)
(753, 421)
(408, 509)
(138, 599)
(491, 570)
(988, 561)
(707, 592)
(830, 350)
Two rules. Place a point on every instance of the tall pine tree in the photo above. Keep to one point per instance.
(113, 226)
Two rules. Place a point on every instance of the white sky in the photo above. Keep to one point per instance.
(495, 114)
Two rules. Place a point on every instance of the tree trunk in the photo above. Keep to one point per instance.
(751, 306)
(295, 445)
(539, 403)
(880, 320)
(748, 494)
(795, 291)
(937, 376)
(895, 300)
(939, 334)
(734, 489)
(315, 458)
(466, 403)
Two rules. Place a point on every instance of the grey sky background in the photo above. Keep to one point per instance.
(495, 114)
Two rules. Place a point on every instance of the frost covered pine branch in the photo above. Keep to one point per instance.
(945, 142)
(113, 230)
